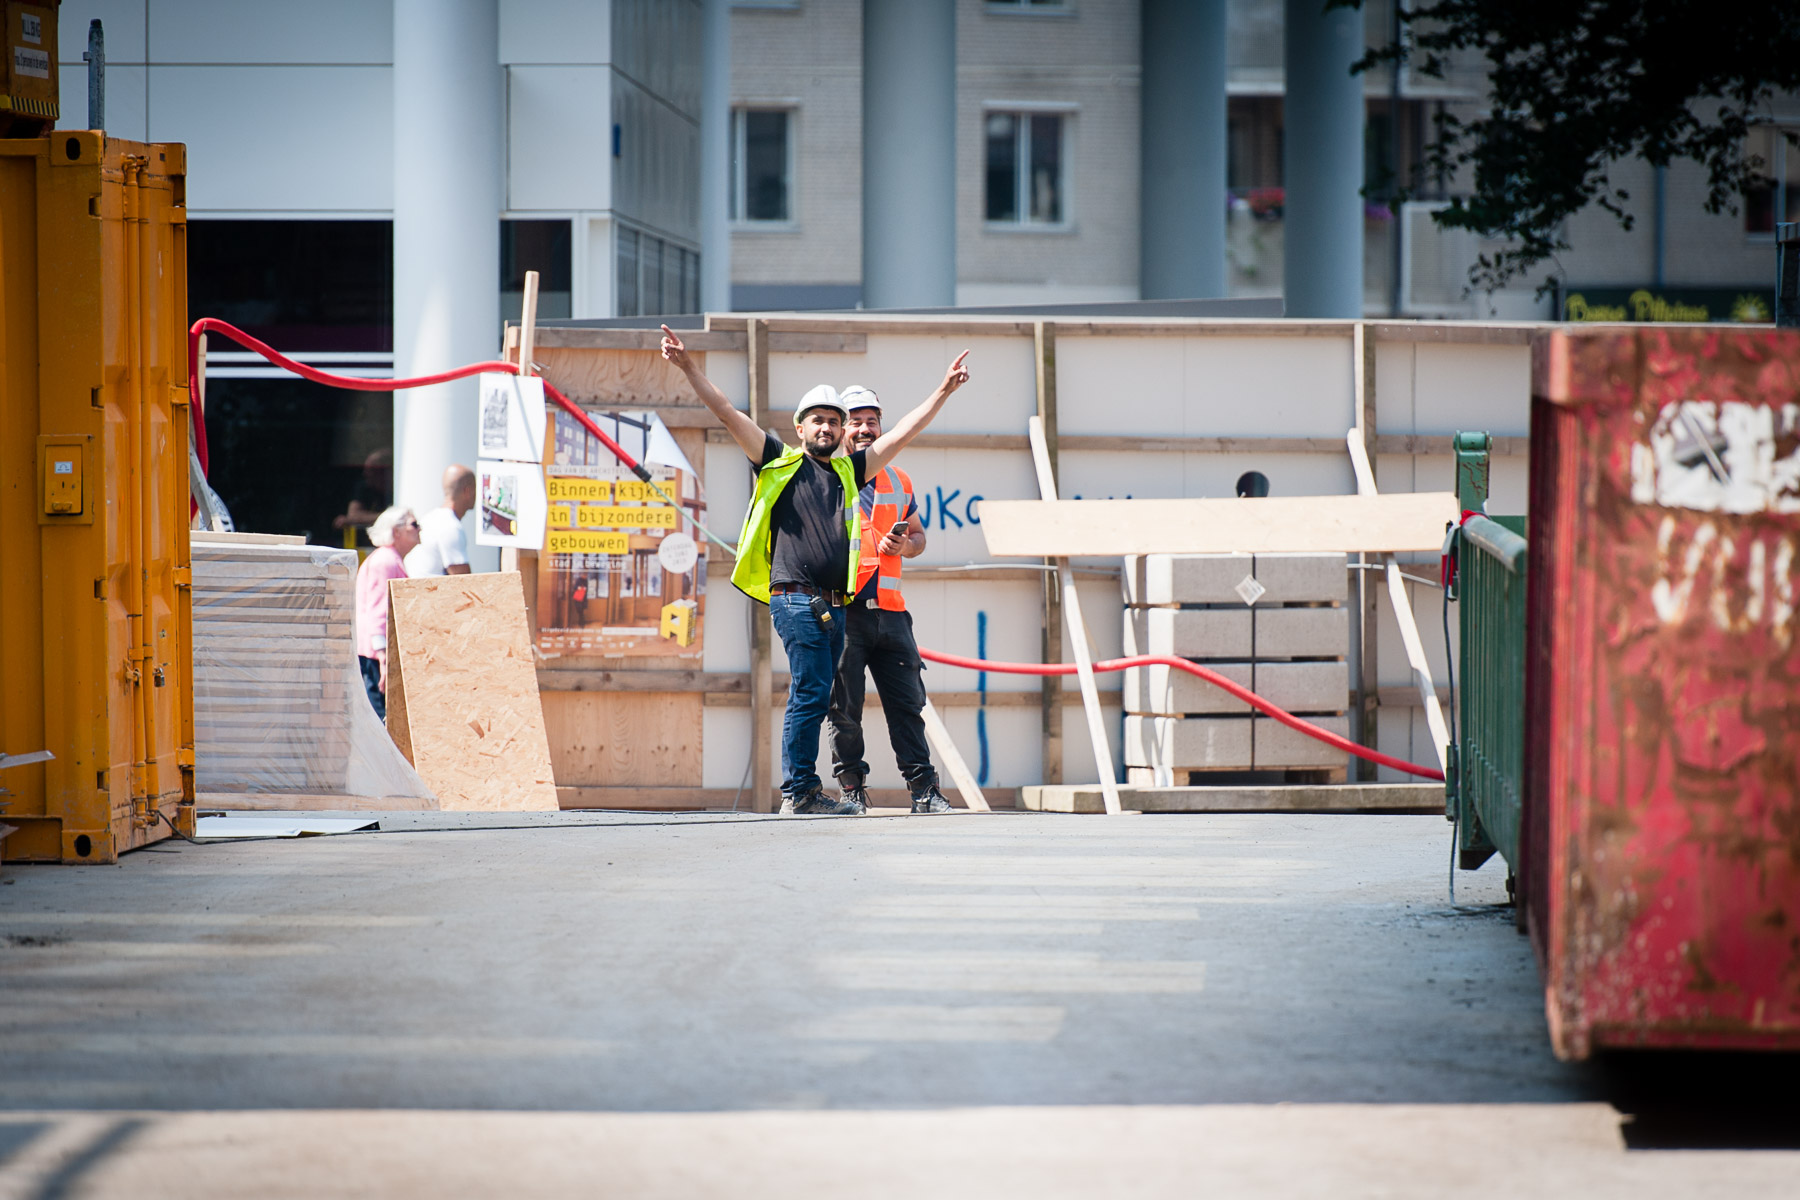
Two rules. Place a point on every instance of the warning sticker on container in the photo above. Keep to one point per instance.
(31, 28)
(33, 63)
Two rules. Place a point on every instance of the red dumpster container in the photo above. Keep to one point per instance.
(1662, 815)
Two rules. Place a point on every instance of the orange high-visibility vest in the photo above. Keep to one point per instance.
(884, 500)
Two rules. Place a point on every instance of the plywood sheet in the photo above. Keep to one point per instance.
(625, 739)
(621, 379)
(462, 692)
(1274, 525)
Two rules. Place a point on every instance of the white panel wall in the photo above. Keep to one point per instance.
(258, 31)
(555, 31)
(1115, 385)
(284, 139)
(122, 20)
(559, 133)
(904, 368)
(127, 99)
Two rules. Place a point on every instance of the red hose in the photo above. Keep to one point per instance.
(355, 383)
(358, 384)
(1213, 677)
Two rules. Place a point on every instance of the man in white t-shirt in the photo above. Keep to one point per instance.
(443, 547)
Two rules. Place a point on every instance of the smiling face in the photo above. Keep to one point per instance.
(820, 429)
(864, 428)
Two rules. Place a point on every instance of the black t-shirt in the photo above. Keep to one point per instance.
(811, 543)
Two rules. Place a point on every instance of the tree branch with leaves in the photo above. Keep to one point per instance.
(1578, 86)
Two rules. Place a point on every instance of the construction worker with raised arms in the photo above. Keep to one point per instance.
(878, 636)
(799, 549)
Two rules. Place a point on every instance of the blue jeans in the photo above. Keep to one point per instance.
(812, 665)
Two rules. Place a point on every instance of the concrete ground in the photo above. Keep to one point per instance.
(1009, 1005)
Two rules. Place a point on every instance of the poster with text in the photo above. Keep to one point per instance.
(622, 573)
(509, 504)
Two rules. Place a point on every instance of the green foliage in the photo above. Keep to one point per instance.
(1579, 85)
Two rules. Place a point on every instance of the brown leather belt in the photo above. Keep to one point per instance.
(807, 589)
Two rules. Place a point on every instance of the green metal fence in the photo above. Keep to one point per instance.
(1486, 792)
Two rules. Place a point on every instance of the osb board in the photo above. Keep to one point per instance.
(1272, 525)
(624, 739)
(462, 693)
(617, 379)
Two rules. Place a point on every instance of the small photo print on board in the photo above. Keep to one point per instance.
(511, 505)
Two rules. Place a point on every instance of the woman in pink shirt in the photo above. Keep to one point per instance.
(394, 532)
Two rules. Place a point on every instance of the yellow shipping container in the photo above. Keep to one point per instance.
(95, 618)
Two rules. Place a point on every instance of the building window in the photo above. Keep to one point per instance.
(655, 278)
(1035, 6)
(761, 165)
(544, 247)
(290, 456)
(1775, 195)
(1025, 182)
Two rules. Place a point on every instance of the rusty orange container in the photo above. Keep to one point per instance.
(1662, 815)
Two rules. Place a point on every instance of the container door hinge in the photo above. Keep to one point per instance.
(184, 577)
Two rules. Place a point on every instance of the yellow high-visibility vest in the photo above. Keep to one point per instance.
(756, 542)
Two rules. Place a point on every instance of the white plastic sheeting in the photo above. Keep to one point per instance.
(279, 706)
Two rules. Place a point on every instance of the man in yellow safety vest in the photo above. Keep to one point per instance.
(799, 548)
(878, 633)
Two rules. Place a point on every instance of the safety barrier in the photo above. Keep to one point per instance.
(1485, 796)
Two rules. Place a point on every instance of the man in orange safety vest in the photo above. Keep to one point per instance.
(878, 633)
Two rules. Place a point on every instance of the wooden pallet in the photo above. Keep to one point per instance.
(1274, 623)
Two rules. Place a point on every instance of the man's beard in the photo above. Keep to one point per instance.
(817, 451)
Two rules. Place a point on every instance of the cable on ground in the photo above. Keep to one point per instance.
(1249, 697)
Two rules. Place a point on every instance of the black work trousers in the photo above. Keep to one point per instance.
(882, 643)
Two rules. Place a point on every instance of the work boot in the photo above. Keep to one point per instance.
(818, 803)
(855, 793)
(930, 801)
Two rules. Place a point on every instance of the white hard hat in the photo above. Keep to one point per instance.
(858, 396)
(823, 396)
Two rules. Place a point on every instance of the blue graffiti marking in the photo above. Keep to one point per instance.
(969, 510)
(981, 737)
(943, 507)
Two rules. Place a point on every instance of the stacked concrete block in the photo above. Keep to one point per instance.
(1274, 623)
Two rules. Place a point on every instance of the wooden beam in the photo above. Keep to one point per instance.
(964, 779)
(762, 632)
(737, 696)
(1411, 521)
(1078, 638)
(630, 798)
(1403, 613)
(1408, 443)
(528, 323)
(780, 423)
(1365, 593)
(1051, 646)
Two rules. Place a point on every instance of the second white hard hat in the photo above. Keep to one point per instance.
(858, 396)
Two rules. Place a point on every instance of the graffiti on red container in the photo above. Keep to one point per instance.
(1744, 590)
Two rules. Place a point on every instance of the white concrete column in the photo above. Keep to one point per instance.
(909, 153)
(449, 159)
(1182, 161)
(1322, 162)
(715, 156)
